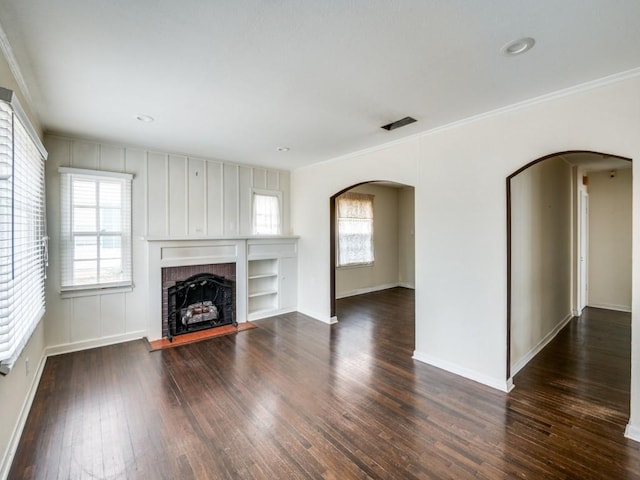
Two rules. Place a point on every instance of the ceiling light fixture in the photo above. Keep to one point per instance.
(518, 47)
(283, 149)
(144, 118)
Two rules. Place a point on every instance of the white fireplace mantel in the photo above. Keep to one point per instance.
(175, 252)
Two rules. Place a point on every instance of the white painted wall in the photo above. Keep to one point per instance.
(459, 176)
(406, 238)
(610, 240)
(17, 388)
(384, 271)
(173, 197)
(541, 236)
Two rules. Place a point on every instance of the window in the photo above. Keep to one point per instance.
(23, 240)
(96, 229)
(266, 213)
(355, 229)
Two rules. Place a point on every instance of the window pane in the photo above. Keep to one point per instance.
(355, 229)
(85, 272)
(110, 194)
(84, 193)
(111, 270)
(110, 220)
(84, 219)
(85, 248)
(266, 214)
(110, 247)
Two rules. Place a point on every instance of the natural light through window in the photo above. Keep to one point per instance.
(96, 229)
(266, 214)
(355, 229)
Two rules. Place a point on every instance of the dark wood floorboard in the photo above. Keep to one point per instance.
(298, 399)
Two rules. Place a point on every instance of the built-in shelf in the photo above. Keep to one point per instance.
(271, 276)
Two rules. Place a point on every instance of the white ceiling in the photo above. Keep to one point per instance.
(235, 79)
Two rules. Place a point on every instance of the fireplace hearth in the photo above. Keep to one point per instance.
(199, 302)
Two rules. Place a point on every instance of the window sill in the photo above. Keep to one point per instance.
(354, 265)
(92, 291)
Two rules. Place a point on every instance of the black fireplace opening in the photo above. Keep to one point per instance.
(201, 301)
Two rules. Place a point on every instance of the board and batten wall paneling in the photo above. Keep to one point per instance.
(158, 194)
(178, 196)
(215, 199)
(196, 197)
(172, 196)
(231, 210)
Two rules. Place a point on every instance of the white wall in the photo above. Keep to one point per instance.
(541, 236)
(459, 176)
(610, 240)
(384, 271)
(173, 197)
(406, 238)
(17, 388)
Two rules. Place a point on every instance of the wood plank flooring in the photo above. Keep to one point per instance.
(295, 398)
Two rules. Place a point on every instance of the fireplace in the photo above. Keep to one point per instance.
(197, 297)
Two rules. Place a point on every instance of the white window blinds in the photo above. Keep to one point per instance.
(96, 229)
(266, 214)
(355, 229)
(22, 230)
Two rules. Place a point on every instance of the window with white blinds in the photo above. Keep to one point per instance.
(23, 240)
(95, 234)
(266, 213)
(355, 229)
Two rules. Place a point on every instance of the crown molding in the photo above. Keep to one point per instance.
(5, 46)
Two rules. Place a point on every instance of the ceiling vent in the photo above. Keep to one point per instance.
(399, 123)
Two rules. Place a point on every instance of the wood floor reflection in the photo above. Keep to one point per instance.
(295, 398)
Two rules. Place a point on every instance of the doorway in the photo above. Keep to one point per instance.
(547, 248)
(393, 259)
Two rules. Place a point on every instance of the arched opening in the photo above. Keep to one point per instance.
(393, 235)
(548, 248)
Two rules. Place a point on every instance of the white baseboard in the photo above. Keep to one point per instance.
(10, 452)
(93, 343)
(610, 306)
(498, 384)
(541, 344)
(320, 318)
(410, 286)
(360, 291)
(632, 432)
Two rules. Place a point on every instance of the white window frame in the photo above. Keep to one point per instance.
(23, 236)
(366, 262)
(69, 286)
(268, 193)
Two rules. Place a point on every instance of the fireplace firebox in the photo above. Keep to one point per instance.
(201, 301)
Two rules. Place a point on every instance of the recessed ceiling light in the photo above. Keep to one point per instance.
(518, 47)
(144, 118)
(283, 149)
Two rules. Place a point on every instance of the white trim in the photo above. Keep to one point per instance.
(580, 88)
(541, 344)
(5, 46)
(632, 432)
(95, 290)
(320, 318)
(609, 306)
(14, 439)
(94, 173)
(93, 343)
(361, 291)
(262, 314)
(498, 384)
(410, 286)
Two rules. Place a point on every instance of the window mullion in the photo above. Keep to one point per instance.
(98, 233)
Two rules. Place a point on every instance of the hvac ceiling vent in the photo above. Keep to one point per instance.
(399, 123)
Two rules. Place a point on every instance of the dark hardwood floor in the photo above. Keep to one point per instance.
(295, 398)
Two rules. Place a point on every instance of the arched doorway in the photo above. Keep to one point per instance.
(394, 219)
(571, 255)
